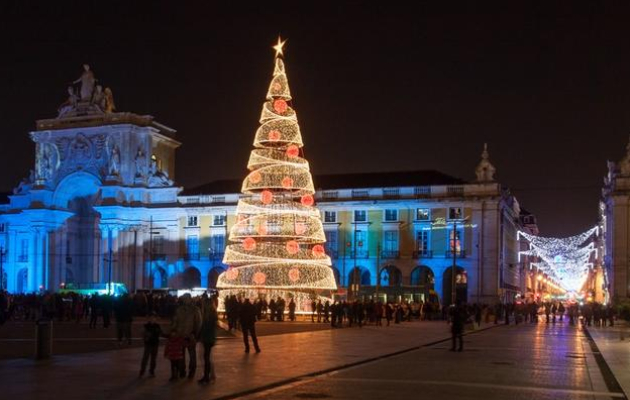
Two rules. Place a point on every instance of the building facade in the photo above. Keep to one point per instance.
(101, 206)
(613, 280)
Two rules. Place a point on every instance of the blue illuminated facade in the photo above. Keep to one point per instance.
(101, 206)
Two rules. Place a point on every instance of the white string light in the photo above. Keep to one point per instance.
(276, 245)
(565, 259)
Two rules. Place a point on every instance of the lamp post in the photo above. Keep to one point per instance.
(455, 240)
(3, 252)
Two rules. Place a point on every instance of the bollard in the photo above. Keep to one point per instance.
(43, 338)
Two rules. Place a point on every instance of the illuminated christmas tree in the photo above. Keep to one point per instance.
(276, 244)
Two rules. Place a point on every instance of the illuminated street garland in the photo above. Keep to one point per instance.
(567, 260)
(276, 245)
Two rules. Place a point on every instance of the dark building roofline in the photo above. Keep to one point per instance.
(344, 181)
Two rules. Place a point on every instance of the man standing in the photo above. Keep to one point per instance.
(187, 323)
(458, 319)
(248, 325)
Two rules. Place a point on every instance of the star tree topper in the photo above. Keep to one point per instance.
(278, 47)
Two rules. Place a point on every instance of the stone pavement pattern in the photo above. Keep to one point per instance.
(113, 375)
(538, 361)
(614, 344)
(504, 362)
(17, 338)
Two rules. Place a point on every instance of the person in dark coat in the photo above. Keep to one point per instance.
(208, 337)
(458, 319)
(248, 325)
(292, 310)
(151, 338)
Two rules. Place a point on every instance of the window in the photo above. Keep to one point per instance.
(330, 216)
(332, 245)
(360, 216)
(391, 215)
(192, 220)
(359, 239)
(423, 214)
(23, 257)
(2, 228)
(454, 242)
(455, 213)
(422, 242)
(192, 247)
(158, 247)
(219, 220)
(217, 245)
(390, 242)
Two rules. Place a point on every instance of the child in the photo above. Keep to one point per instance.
(151, 336)
(174, 351)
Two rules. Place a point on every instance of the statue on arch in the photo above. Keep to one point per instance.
(109, 105)
(87, 82)
(114, 161)
(141, 164)
(69, 104)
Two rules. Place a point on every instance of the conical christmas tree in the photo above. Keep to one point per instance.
(276, 245)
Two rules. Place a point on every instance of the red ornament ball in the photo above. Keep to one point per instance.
(307, 200)
(249, 244)
(294, 274)
(318, 250)
(259, 278)
(292, 247)
(287, 182)
(255, 177)
(293, 151)
(231, 274)
(262, 229)
(266, 197)
(280, 106)
(274, 135)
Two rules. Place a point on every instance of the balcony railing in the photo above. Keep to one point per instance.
(192, 256)
(388, 254)
(158, 257)
(423, 254)
(359, 254)
(23, 258)
(458, 254)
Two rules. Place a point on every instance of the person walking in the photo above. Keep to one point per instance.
(208, 337)
(187, 323)
(151, 338)
(292, 310)
(248, 325)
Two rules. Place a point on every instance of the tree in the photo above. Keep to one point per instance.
(276, 244)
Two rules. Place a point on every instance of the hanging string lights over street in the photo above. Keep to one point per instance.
(566, 260)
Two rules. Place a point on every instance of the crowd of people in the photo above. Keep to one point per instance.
(195, 320)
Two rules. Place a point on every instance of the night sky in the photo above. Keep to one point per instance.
(376, 87)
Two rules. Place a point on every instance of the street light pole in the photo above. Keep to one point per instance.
(3, 252)
(454, 268)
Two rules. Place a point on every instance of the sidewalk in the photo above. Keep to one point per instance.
(615, 351)
(113, 375)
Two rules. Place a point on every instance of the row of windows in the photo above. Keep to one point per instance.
(391, 215)
(217, 246)
(391, 241)
(217, 220)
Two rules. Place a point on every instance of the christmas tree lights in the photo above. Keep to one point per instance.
(567, 260)
(276, 244)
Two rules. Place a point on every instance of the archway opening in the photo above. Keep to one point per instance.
(191, 278)
(391, 276)
(213, 276)
(461, 286)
